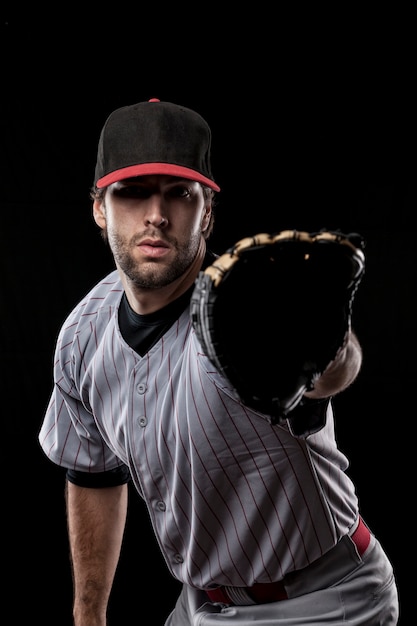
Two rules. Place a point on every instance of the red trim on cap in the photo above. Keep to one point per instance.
(149, 169)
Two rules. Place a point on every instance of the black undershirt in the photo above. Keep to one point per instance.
(141, 332)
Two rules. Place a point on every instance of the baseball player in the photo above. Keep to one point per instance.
(258, 522)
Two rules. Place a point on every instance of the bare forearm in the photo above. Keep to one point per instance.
(96, 522)
(341, 372)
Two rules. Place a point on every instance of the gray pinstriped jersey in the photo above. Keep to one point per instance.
(233, 499)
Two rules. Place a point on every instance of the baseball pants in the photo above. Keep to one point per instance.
(341, 589)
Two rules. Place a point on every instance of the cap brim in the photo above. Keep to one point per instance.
(149, 169)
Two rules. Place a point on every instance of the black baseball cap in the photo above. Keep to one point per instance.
(154, 137)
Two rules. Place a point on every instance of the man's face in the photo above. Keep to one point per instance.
(154, 227)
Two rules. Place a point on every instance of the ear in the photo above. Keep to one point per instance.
(206, 218)
(98, 213)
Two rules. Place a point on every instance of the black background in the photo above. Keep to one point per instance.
(313, 121)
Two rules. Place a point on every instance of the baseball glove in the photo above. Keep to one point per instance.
(272, 312)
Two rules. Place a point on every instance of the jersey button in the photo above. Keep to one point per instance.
(142, 421)
(178, 558)
(161, 505)
(141, 388)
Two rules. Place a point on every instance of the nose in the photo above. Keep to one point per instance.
(154, 215)
(155, 221)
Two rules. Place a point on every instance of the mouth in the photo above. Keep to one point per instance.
(154, 248)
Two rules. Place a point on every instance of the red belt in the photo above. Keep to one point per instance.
(262, 593)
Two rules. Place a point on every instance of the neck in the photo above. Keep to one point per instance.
(145, 301)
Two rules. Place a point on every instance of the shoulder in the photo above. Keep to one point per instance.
(99, 303)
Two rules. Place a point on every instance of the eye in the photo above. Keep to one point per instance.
(132, 191)
(180, 191)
